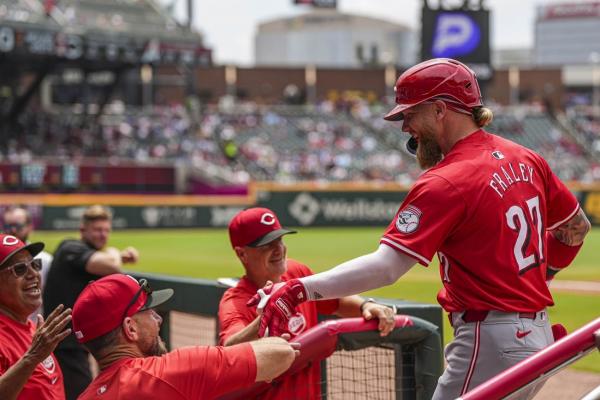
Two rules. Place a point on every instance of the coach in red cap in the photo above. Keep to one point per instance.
(28, 370)
(114, 319)
(256, 237)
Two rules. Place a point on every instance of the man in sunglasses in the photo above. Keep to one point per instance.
(114, 319)
(17, 222)
(75, 264)
(28, 370)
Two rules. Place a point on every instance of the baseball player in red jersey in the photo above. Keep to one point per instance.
(114, 318)
(501, 223)
(256, 237)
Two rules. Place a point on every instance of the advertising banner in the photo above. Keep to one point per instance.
(460, 34)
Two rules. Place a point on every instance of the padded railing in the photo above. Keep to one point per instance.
(414, 358)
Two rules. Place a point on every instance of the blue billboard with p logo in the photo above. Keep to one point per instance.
(460, 34)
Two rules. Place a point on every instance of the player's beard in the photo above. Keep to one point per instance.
(158, 348)
(429, 152)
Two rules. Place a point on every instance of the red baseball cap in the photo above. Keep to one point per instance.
(255, 227)
(104, 304)
(11, 245)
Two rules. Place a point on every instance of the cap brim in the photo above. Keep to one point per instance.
(397, 112)
(269, 237)
(157, 297)
(33, 248)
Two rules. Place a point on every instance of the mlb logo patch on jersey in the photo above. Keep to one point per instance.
(497, 154)
(408, 219)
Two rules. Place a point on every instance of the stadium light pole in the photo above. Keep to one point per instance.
(595, 60)
(190, 10)
(513, 83)
(310, 79)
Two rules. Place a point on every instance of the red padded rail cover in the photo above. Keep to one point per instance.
(316, 344)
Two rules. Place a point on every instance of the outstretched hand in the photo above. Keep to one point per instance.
(278, 306)
(49, 333)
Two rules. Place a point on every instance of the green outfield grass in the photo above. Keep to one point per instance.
(206, 253)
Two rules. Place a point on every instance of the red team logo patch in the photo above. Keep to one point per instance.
(408, 219)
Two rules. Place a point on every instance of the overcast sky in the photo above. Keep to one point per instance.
(229, 26)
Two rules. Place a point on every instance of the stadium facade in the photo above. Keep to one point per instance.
(329, 38)
(567, 34)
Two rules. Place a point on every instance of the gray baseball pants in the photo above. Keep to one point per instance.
(481, 350)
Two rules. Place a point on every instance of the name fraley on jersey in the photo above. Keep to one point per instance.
(509, 174)
(408, 219)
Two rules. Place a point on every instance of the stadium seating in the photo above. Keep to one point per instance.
(279, 143)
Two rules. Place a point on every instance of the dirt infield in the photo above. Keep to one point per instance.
(582, 287)
(569, 385)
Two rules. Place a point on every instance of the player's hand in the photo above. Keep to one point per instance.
(385, 315)
(280, 307)
(49, 333)
(129, 255)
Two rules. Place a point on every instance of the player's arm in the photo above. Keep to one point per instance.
(246, 334)
(274, 356)
(564, 242)
(380, 268)
(572, 232)
(105, 262)
(110, 260)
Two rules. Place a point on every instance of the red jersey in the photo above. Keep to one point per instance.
(199, 372)
(46, 381)
(234, 315)
(485, 209)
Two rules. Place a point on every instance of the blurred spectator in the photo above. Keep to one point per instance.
(17, 222)
(341, 139)
(75, 264)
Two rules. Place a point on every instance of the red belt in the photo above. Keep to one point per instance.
(478, 316)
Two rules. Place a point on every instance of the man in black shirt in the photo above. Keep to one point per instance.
(75, 264)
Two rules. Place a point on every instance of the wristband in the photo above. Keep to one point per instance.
(362, 305)
(560, 255)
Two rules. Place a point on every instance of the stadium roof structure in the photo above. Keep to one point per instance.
(99, 33)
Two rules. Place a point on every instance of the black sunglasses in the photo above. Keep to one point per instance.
(144, 287)
(14, 227)
(20, 269)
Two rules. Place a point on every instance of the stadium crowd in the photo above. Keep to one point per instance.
(343, 140)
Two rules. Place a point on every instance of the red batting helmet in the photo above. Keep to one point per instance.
(439, 77)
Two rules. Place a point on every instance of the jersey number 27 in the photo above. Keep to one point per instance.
(527, 221)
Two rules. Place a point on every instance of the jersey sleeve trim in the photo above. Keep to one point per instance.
(406, 250)
(559, 223)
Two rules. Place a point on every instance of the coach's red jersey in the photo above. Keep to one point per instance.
(485, 209)
(199, 372)
(234, 315)
(46, 381)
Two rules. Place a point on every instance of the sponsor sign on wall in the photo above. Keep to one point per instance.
(294, 208)
(334, 208)
(140, 217)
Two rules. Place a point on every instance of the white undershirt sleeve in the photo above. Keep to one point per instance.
(380, 268)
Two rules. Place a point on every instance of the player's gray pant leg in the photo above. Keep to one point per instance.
(481, 350)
